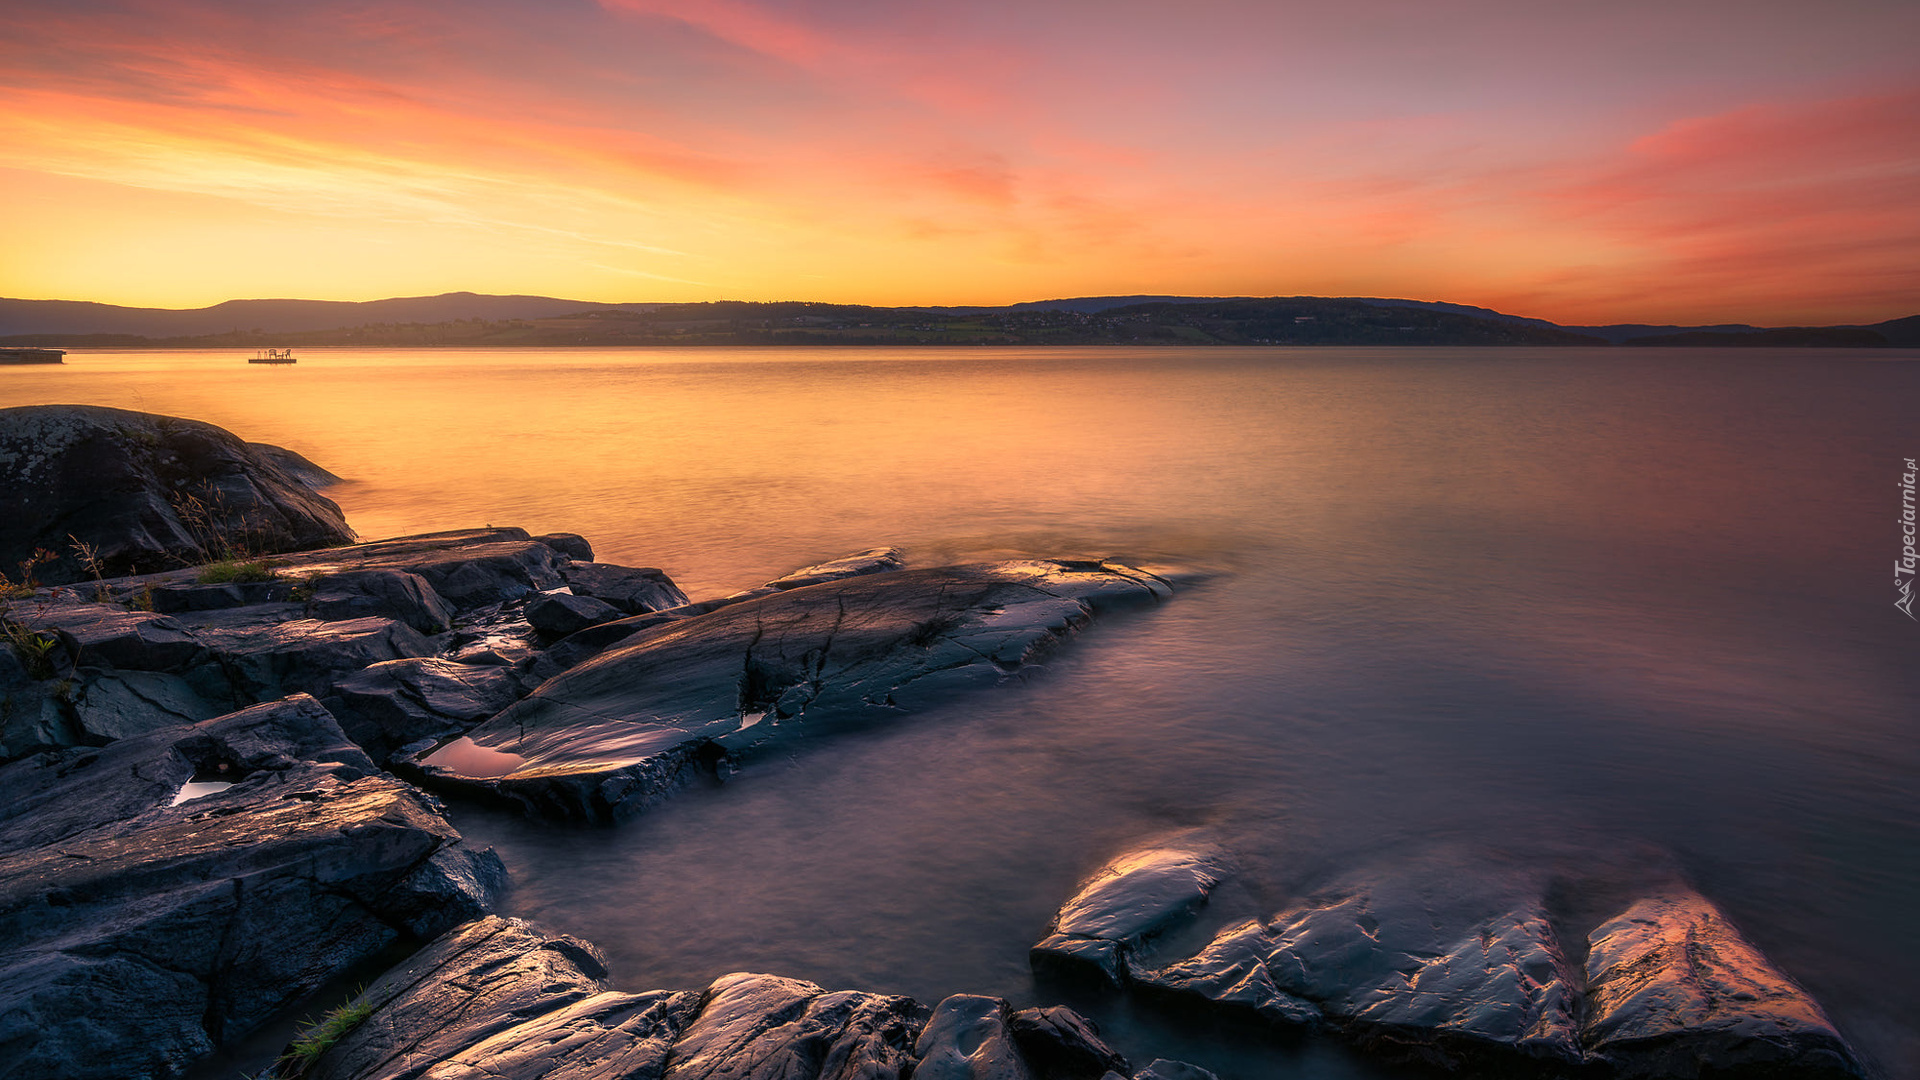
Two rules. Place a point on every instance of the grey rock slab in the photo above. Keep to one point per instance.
(1231, 971)
(763, 1027)
(308, 655)
(192, 596)
(111, 705)
(613, 735)
(572, 545)
(878, 560)
(390, 704)
(35, 716)
(633, 590)
(969, 1037)
(467, 568)
(590, 641)
(1165, 1069)
(1436, 969)
(392, 594)
(555, 615)
(103, 634)
(137, 933)
(1674, 990)
(295, 465)
(502, 998)
(1060, 1044)
(1128, 901)
(115, 479)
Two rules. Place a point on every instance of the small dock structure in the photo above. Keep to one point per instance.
(273, 356)
(33, 356)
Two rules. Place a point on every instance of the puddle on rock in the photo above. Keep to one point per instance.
(469, 758)
(197, 789)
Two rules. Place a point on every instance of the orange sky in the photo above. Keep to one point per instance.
(1753, 161)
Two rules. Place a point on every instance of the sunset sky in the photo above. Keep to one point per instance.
(1644, 160)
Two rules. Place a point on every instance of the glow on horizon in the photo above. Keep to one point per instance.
(1749, 161)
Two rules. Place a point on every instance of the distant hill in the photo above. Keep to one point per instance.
(1904, 333)
(38, 317)
(477, 319)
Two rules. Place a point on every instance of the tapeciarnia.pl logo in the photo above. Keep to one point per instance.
(1903, 566)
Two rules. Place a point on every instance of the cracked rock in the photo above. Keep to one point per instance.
(190, 922)
(613, 735)
(503, 999)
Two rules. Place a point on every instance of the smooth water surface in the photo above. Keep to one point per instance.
(1612, 611)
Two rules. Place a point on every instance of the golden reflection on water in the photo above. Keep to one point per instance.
(1529, 598)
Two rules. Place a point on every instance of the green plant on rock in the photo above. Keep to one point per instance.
(307, 1047)
(231, 571)
(34, 648)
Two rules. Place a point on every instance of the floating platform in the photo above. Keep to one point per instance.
(273, 356)
(33, 356)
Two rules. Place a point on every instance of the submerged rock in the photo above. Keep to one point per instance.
(139, 928)
(1674, 990)
(1131, 899)
(610, 737)
(146, 493)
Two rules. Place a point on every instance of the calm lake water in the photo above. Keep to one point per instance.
(1612, 612)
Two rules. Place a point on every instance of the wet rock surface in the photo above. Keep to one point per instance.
(127, 655)
(506, 999)
(559, 614)
(632, 590)
(137, 931)
(1674, 990)
(391, 704)
(1470, 971)
(615, 734)
(1128, 901)
(120, 481)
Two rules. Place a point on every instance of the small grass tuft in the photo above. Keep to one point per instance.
(224, 573)
(317, 1039)
(35, 649)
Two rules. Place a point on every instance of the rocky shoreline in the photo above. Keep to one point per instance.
(222, 789)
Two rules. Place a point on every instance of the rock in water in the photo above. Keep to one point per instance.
(1063, 1045)
(1466, 971)
(1438, 970)
(138, 930)
(1131, 899)
(609, 737)
(146, 492)
(969, 1038)
(1674, 990)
